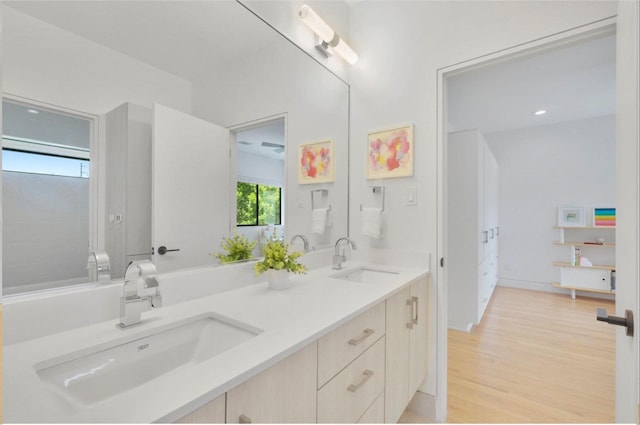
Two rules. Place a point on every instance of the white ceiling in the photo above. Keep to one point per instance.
(186, 38)
(253, 140)
(570, 82)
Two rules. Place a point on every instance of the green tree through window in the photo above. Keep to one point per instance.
(258, 205)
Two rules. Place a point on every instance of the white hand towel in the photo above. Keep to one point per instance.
(372, 222)
(319, 220)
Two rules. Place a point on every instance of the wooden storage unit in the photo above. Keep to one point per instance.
(284, 393)
(473, 227)
(128, 186)
(365, 371)
(406, 358)
(597, 278)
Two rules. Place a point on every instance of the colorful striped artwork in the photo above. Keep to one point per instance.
(604, 217)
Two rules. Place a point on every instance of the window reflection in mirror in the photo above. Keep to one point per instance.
(45, 197)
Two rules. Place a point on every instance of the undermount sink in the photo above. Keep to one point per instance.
(366, 274)
(92, 375)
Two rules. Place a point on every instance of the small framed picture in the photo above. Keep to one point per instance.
(316, 162)
(571, 217)
(390, 153)
(604, 217)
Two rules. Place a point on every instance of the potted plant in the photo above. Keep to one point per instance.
(278, 262)
(237, 247)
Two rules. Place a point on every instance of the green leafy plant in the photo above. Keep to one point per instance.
(277, 256)
(237, 248)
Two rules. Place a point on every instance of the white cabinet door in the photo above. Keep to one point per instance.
(397, 357)
(284, 393)
(407, 347)
(419, 343)
(190, 209)
(211, 413)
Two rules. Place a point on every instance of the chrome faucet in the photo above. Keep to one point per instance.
(140, 292)
(98, 266)
(305, 241)
(339, 258)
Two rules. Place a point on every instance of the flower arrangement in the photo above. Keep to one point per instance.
(237, 248)
(277, 257)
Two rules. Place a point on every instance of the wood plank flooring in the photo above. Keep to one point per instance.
(535, 358)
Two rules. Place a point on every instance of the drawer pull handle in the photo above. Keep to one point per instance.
(366, 375)
(415, 300)
(365, 334)
(411, 323)
(244, 419)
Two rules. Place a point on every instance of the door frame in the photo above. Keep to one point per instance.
(233, 169)
(623, 413)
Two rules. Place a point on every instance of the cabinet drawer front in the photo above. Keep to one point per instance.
(337, 349)
(375, 412)
(348, 395)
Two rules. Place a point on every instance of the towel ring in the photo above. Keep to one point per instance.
(377, 190)
(323, 192)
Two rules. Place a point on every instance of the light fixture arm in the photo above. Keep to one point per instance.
(328, 37)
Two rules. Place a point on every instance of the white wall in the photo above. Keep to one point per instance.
(45, 63)
(260, 170)
(401, 46)
(541, 168)
(45, 232)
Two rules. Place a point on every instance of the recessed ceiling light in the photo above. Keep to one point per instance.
(540, 112)
(32, 111)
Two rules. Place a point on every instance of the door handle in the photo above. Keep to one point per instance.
(163, 250)
(626, 321)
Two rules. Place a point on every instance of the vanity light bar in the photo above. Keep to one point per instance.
(329, 37)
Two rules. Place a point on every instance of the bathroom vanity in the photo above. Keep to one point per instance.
(339, 346)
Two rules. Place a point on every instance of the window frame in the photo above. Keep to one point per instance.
(256, 223)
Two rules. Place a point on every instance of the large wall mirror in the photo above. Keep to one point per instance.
(118, 69)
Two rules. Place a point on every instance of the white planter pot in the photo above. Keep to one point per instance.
(278, 279)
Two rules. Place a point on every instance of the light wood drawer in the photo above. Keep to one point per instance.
(375, 412)
(349, 394)
(337, 349)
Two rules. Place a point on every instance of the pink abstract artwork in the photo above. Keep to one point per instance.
(390, 153)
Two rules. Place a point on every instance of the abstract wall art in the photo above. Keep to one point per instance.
(316, 162)
(390, 153)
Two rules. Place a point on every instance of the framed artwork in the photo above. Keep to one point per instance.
(390, 153)
(604, 217)
(571, 217)
(316, 162)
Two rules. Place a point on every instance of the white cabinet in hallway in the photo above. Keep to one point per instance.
(473, 227)
(406, 356)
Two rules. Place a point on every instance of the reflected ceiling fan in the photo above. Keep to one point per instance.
(278, 148)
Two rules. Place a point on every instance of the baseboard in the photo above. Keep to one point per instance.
(466, 328)
(547, 287)
(423, 406)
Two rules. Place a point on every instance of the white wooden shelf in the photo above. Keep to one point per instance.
(604, 245)
(584, 227)
(595, 278)
(595, 267)
(577, 288)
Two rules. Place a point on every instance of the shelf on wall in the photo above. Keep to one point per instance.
(584, 227)
(601, 267)
(583, 244)
(576, 288)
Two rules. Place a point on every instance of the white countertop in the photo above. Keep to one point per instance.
(290, 319)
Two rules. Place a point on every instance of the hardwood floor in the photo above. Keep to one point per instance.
(535, 358)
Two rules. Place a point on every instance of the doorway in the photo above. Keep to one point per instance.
(258, 202)
(533, 168)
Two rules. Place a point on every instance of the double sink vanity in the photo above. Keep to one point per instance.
(338, 346)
